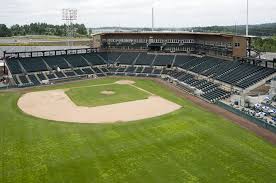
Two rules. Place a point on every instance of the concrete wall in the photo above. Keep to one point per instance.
(242, 49)
(96, 41)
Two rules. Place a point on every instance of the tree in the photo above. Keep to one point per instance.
(40, 29)
(81, 29)
(4, 31)
(16, 30)
(265, 45)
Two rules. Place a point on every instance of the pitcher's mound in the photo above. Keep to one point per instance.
(108, 92)
(125, 82)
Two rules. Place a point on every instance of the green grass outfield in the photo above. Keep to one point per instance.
(189, 145)
(92, 96)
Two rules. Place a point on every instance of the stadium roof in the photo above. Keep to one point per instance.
(173, 33)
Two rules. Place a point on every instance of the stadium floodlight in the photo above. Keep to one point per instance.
(69, 15)
(247, 16)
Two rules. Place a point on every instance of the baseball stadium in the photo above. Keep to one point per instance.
(136, 107)
(149, 106)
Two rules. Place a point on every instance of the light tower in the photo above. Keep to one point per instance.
(69, 15)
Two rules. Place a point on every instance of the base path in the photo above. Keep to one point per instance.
(56, 105)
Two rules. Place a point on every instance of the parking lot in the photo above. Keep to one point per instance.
(265, 110)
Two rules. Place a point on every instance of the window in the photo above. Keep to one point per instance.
(237, 44)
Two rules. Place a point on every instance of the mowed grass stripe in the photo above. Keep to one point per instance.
(189, 145)
(92, 96)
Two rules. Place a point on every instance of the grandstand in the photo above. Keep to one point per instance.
(211, 78)
(213, 44)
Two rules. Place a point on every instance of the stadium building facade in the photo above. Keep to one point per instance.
(212, 44)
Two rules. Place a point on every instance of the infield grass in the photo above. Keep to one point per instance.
(92, 96)
(189, 145)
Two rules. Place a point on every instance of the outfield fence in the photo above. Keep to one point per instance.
(252, 119)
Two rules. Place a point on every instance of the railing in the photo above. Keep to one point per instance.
(8, 55)
(252, 119)
(7, 87)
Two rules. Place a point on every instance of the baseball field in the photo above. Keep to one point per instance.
(189, 144)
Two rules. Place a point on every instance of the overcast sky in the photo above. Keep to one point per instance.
(137, 13)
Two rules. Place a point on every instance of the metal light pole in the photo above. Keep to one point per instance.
(69, 15)
(152, 19)
(154, 4)
(247, 15)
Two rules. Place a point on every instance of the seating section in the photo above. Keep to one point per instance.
(163, 60)
(79, 72)
(130, 69)
(121, 69)
(60, 75)
(192, 63)
(34, 80)
(255, 77)
(181, 59)
(216, 94)
(112, 56)
(112, 69)
(105, 70)
(98, 72)
(104, 56)
(94, 59)
(157, 71)
(76, 61)
(70, 73)
(145, 59)
(16, 80)
(41, 77)
(148, 70)
(57, 61)
(88, 71)
(205, 65)
(245, 75)
(24, 79)
(33, 64)
(51, 76)
(234, 73)
(210, 91)
(127, 58)
(139, 69)
(185, 69)
(222, 68)
(14, 67)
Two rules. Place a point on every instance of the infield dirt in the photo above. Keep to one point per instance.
(57, 106)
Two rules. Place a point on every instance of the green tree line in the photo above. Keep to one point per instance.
(268, 29)
(41, 29)
(264, 45)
